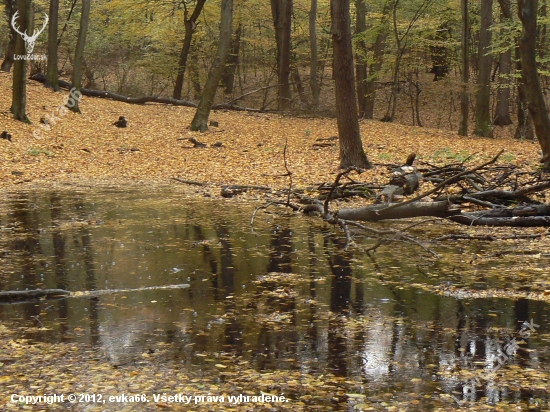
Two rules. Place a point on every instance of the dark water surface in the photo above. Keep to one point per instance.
(283, 295)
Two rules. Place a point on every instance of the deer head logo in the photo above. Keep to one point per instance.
(29, 40)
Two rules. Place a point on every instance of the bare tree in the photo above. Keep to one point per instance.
(207, 99)
(465, 55)
(314, 51)
(351, 147)
(190, 26)
(502, 115)
(281, 11)
(527, 10)
(361, 54)
(19, 97)
(79, 52)
(10, 9)
(483, 95)
(52, 75)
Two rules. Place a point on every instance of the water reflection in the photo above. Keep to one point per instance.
(284, 296)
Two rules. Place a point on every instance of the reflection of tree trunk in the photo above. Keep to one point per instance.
(340, 296)
(280, 255)
(312, 328)
(60, 263)
(89, 269)
(233, 331)
(28, 245)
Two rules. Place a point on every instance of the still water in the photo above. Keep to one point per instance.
(281, 295)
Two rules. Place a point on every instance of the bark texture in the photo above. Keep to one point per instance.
(351, 147)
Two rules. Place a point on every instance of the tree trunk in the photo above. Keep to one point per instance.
(52, 74)
(527, 10)
(190, 25)
(502, 117)
(19, 99)
(313, 67)
(392, 103)
(207, 99)
(524, 129)
(351, 147)
(361, 55)
(373, 72)
(465, 55)
(228, 76)
(281, 11)
(483, 95)
(79, 52)
(7, 63)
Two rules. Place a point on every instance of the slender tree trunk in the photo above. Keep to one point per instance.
(10, 9)
(200, 121)
(281, 11)
(190, 25)
(527, 10)
(52, 75)
(483, 95)
(228, 76)
(351, 147)
(79, 52)
(524, 129)
(502, 116)
(373, 72)
(392, 104)
(361, 55)
(314, 64)
(19, 97)
(465, 56)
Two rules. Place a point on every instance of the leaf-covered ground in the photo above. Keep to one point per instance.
(154, 148)
(88, 148)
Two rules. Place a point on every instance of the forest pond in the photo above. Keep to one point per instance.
(279, 297)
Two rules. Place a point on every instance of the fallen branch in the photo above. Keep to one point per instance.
(144, 99)
(446, 182)
(17, 295)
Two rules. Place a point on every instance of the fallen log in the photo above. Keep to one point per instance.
(375, 213)
(144, 99)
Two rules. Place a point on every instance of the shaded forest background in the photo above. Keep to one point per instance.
(133, 48)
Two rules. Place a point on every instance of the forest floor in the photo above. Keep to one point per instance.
(154, 148)
(87, 149)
